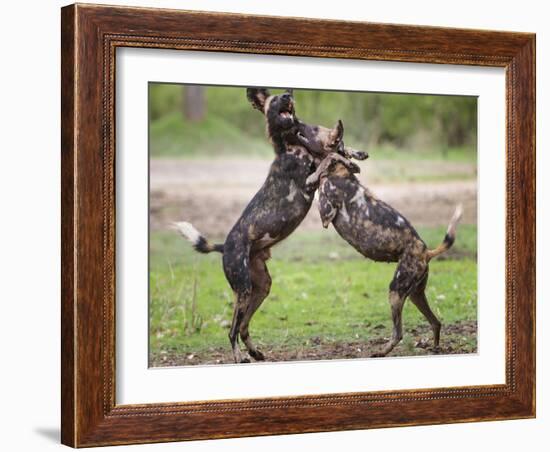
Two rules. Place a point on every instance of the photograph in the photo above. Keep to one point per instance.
(299, 225)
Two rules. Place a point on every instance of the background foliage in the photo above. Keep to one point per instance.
(227, 125)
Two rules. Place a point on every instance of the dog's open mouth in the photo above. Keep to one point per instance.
(287, 112)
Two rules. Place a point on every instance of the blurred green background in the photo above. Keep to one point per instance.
(187, 121)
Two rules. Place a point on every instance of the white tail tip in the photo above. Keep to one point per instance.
(188, 231)
(458, 213)
(454, 221)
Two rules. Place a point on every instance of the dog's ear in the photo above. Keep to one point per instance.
(257, 97)
(353, 168)
(290, 91)
(337, 133)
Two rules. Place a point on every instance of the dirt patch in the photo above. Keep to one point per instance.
(456, 338)
(212, 194)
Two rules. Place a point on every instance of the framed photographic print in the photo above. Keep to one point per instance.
(281, 225)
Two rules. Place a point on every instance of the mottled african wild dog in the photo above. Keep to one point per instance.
(378, 232)
(273, 213)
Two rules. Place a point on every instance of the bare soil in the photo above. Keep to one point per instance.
(456, 338)
(211, 194)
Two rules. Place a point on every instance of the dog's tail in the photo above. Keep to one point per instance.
(449, 237)
(196, 238)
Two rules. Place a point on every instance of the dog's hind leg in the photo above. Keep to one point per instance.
(396, 302)
(261, 285)
(418, 297)
(237, 271)
(241, 302)
(409, 275)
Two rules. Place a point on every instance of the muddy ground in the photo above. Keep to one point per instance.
(455, 339)
(212, 194)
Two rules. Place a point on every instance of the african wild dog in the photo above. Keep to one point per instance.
(273, 213)
(378, 232)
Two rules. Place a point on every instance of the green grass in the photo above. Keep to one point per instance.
(321, 288)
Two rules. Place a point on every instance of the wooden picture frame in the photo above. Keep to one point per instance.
(90, 36)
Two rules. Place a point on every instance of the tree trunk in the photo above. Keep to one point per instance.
(194, 104)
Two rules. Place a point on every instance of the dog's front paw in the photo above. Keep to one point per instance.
(354, 154)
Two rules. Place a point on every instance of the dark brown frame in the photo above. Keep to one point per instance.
(90, 35)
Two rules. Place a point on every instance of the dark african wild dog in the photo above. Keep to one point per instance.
(378, 232)
(273, 213)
